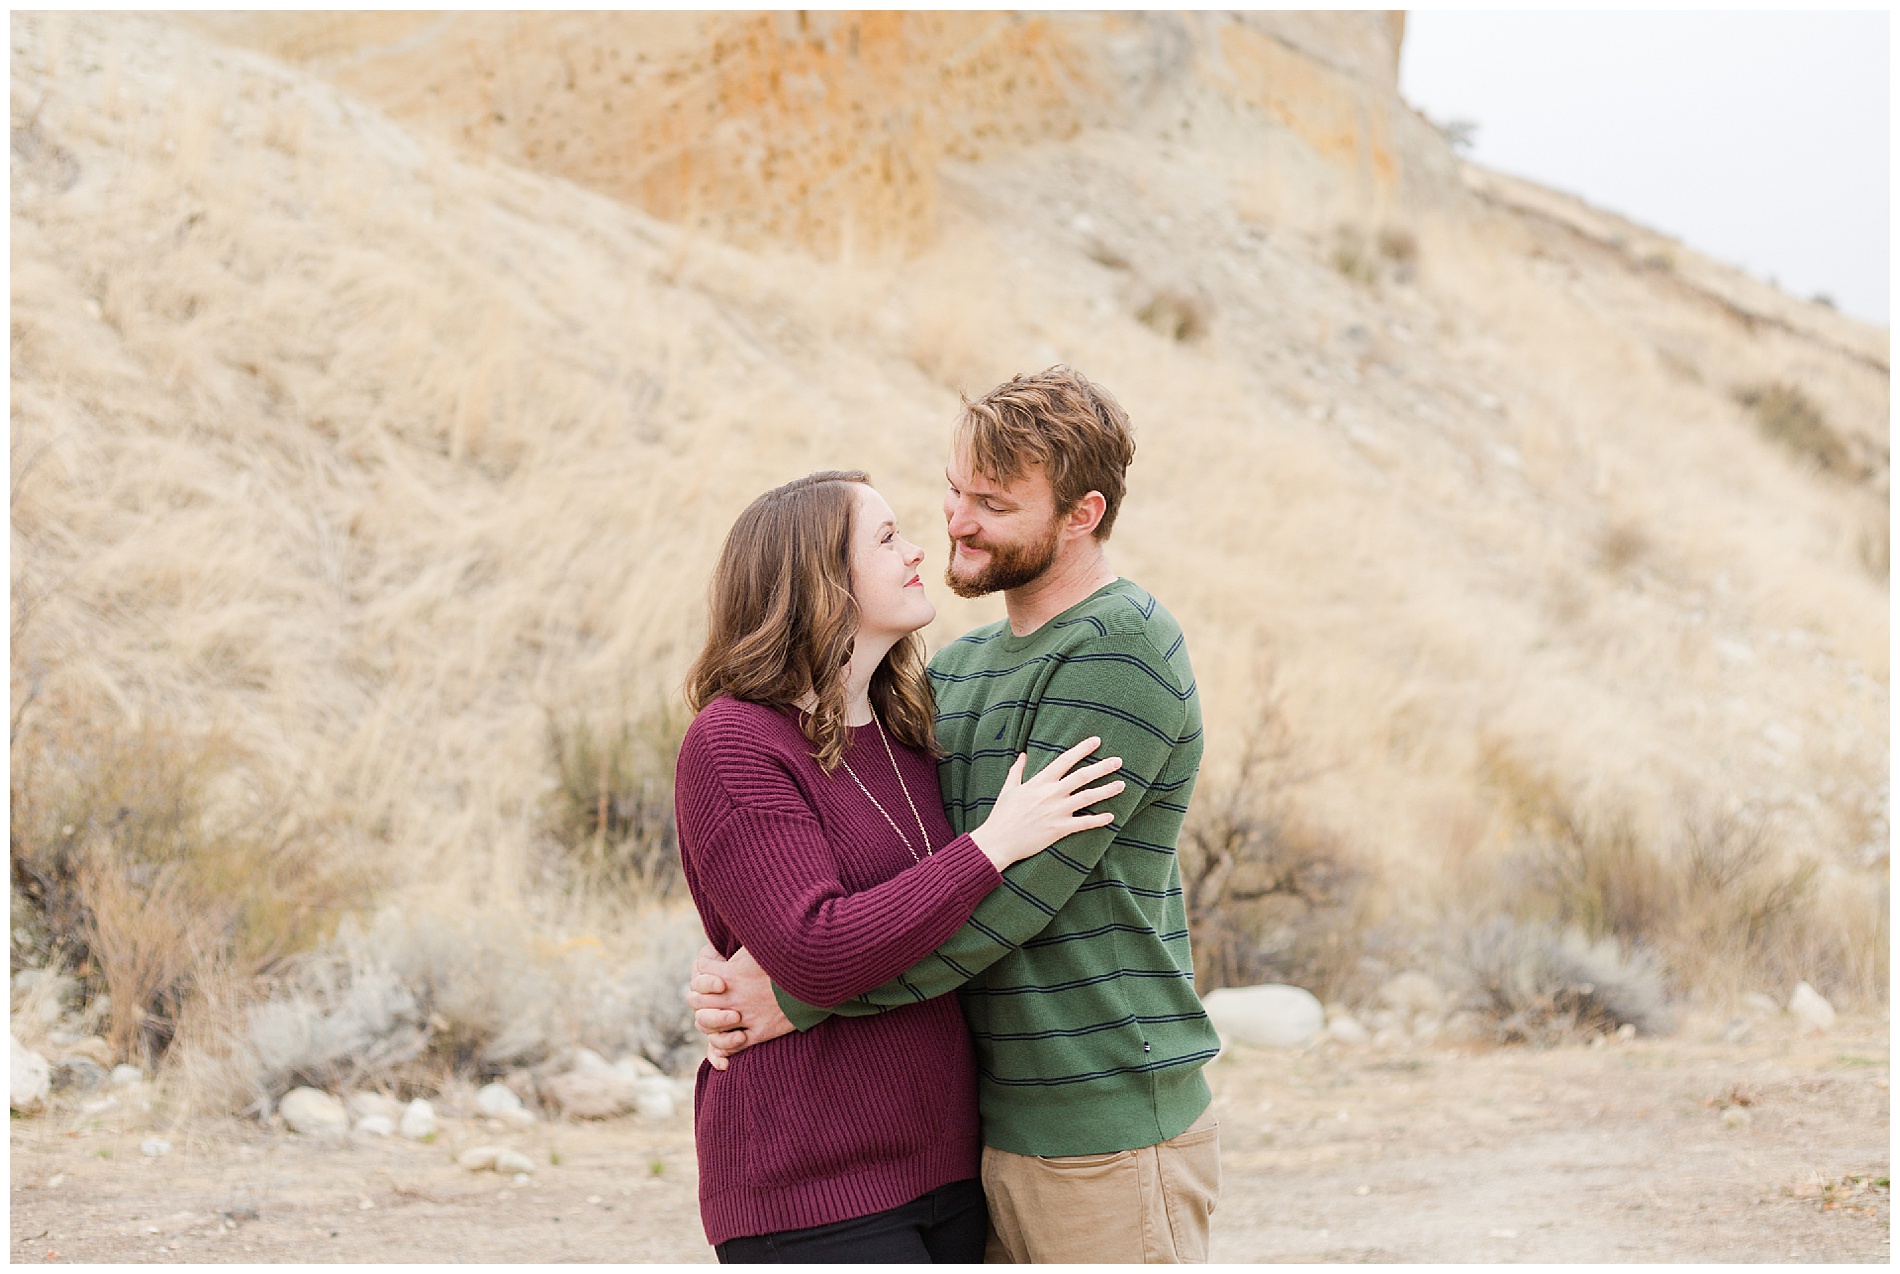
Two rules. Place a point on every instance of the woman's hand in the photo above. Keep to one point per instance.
(733, 1004)
(1031, 815)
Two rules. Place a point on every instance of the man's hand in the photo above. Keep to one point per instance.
(733, 1004)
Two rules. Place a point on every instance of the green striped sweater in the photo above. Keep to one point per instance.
(1075, 975)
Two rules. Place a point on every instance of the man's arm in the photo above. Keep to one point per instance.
(1143, 726)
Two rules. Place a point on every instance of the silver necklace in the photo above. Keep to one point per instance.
(921, 833)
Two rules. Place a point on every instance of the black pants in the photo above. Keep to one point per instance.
(949, 1224)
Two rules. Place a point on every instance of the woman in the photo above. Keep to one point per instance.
(812, 834)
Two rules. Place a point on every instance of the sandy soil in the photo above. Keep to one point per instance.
(1617, 1153)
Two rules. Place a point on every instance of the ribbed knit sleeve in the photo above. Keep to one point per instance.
(765, 865)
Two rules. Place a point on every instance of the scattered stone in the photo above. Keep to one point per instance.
(513, 1163)
(1345, 1029)
(636, 1067)
(497, 1101)
(1598, 1041)
(1736, 1117)
(1626, 1032)
(654, 1097)
(418, 1120)
(1413, 993)
(1759, 1005)
(374, 1105)
(593, 1094)
(588, 1062)
(79, 1075)
(125, 1073)
(28, 1078)
(1811, 1010)
(155, 1147)
(479, 1158)
(1266, 1016)
(375, 1126)
(499, 1159)
(314, 1113)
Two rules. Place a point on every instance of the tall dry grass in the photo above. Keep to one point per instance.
(371, 452)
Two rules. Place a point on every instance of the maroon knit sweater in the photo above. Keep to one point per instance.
(858, 1114)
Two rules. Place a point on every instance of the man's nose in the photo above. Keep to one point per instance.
(961, 523)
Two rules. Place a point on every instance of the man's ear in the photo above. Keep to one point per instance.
(1086, 515)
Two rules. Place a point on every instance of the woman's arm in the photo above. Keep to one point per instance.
(762, 861)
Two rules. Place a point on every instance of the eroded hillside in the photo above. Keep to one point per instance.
(382, 387)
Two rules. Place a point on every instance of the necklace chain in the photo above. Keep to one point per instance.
(905, 787)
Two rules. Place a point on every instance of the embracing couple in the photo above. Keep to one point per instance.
(863, 834)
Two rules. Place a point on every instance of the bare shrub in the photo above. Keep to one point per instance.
(1541, 984)
(417, 1003)
(1621, 545)
(1398, 245)
(612, 807)
(1786, 416)
(1722, 904)
(1269, 898)
(142, 871)
(1353, 257)
(1177, 315)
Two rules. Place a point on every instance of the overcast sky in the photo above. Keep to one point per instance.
(1758, 138)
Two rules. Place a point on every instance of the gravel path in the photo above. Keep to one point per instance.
(1619, 1153)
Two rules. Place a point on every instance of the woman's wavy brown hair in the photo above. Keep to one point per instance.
(783, 619)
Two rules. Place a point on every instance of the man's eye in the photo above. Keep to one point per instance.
(992, 508)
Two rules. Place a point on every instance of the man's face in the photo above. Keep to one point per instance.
(1002, 536)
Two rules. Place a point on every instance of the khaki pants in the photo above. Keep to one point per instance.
(1146, 1206)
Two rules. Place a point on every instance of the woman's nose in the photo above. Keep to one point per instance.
(913, 554)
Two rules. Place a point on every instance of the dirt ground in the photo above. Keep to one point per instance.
(1615, 1153)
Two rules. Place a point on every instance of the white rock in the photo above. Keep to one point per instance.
(1626, 1032)
(1811, 1009)
(125, 1073)
(495, 1100)
(588, 1062)
(418, 1120)
(155, 1147)
(1413, 992)
(655, 1097)
(29, 1078)
(314, 1113)
(1736, 1117)
(512, 1163)
(1425, 1028)
(1738, 1031)
(479, 1158)
(1345, 1029)
(1267, 1016)
(375, 1126)
(1390, 1037)
(635, 1067)
(364, 1105)
(593, 1095)
(1462, 1027)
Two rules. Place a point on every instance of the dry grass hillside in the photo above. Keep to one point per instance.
(383, 384)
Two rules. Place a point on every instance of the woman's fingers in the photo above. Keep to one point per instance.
(1060, 766)
(1089, 773)
(1081, 800)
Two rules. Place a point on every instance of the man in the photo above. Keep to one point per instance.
(1075, 976)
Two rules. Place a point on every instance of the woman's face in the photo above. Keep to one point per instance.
(885, 580)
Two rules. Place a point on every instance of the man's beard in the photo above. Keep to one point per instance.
(1010, 565)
